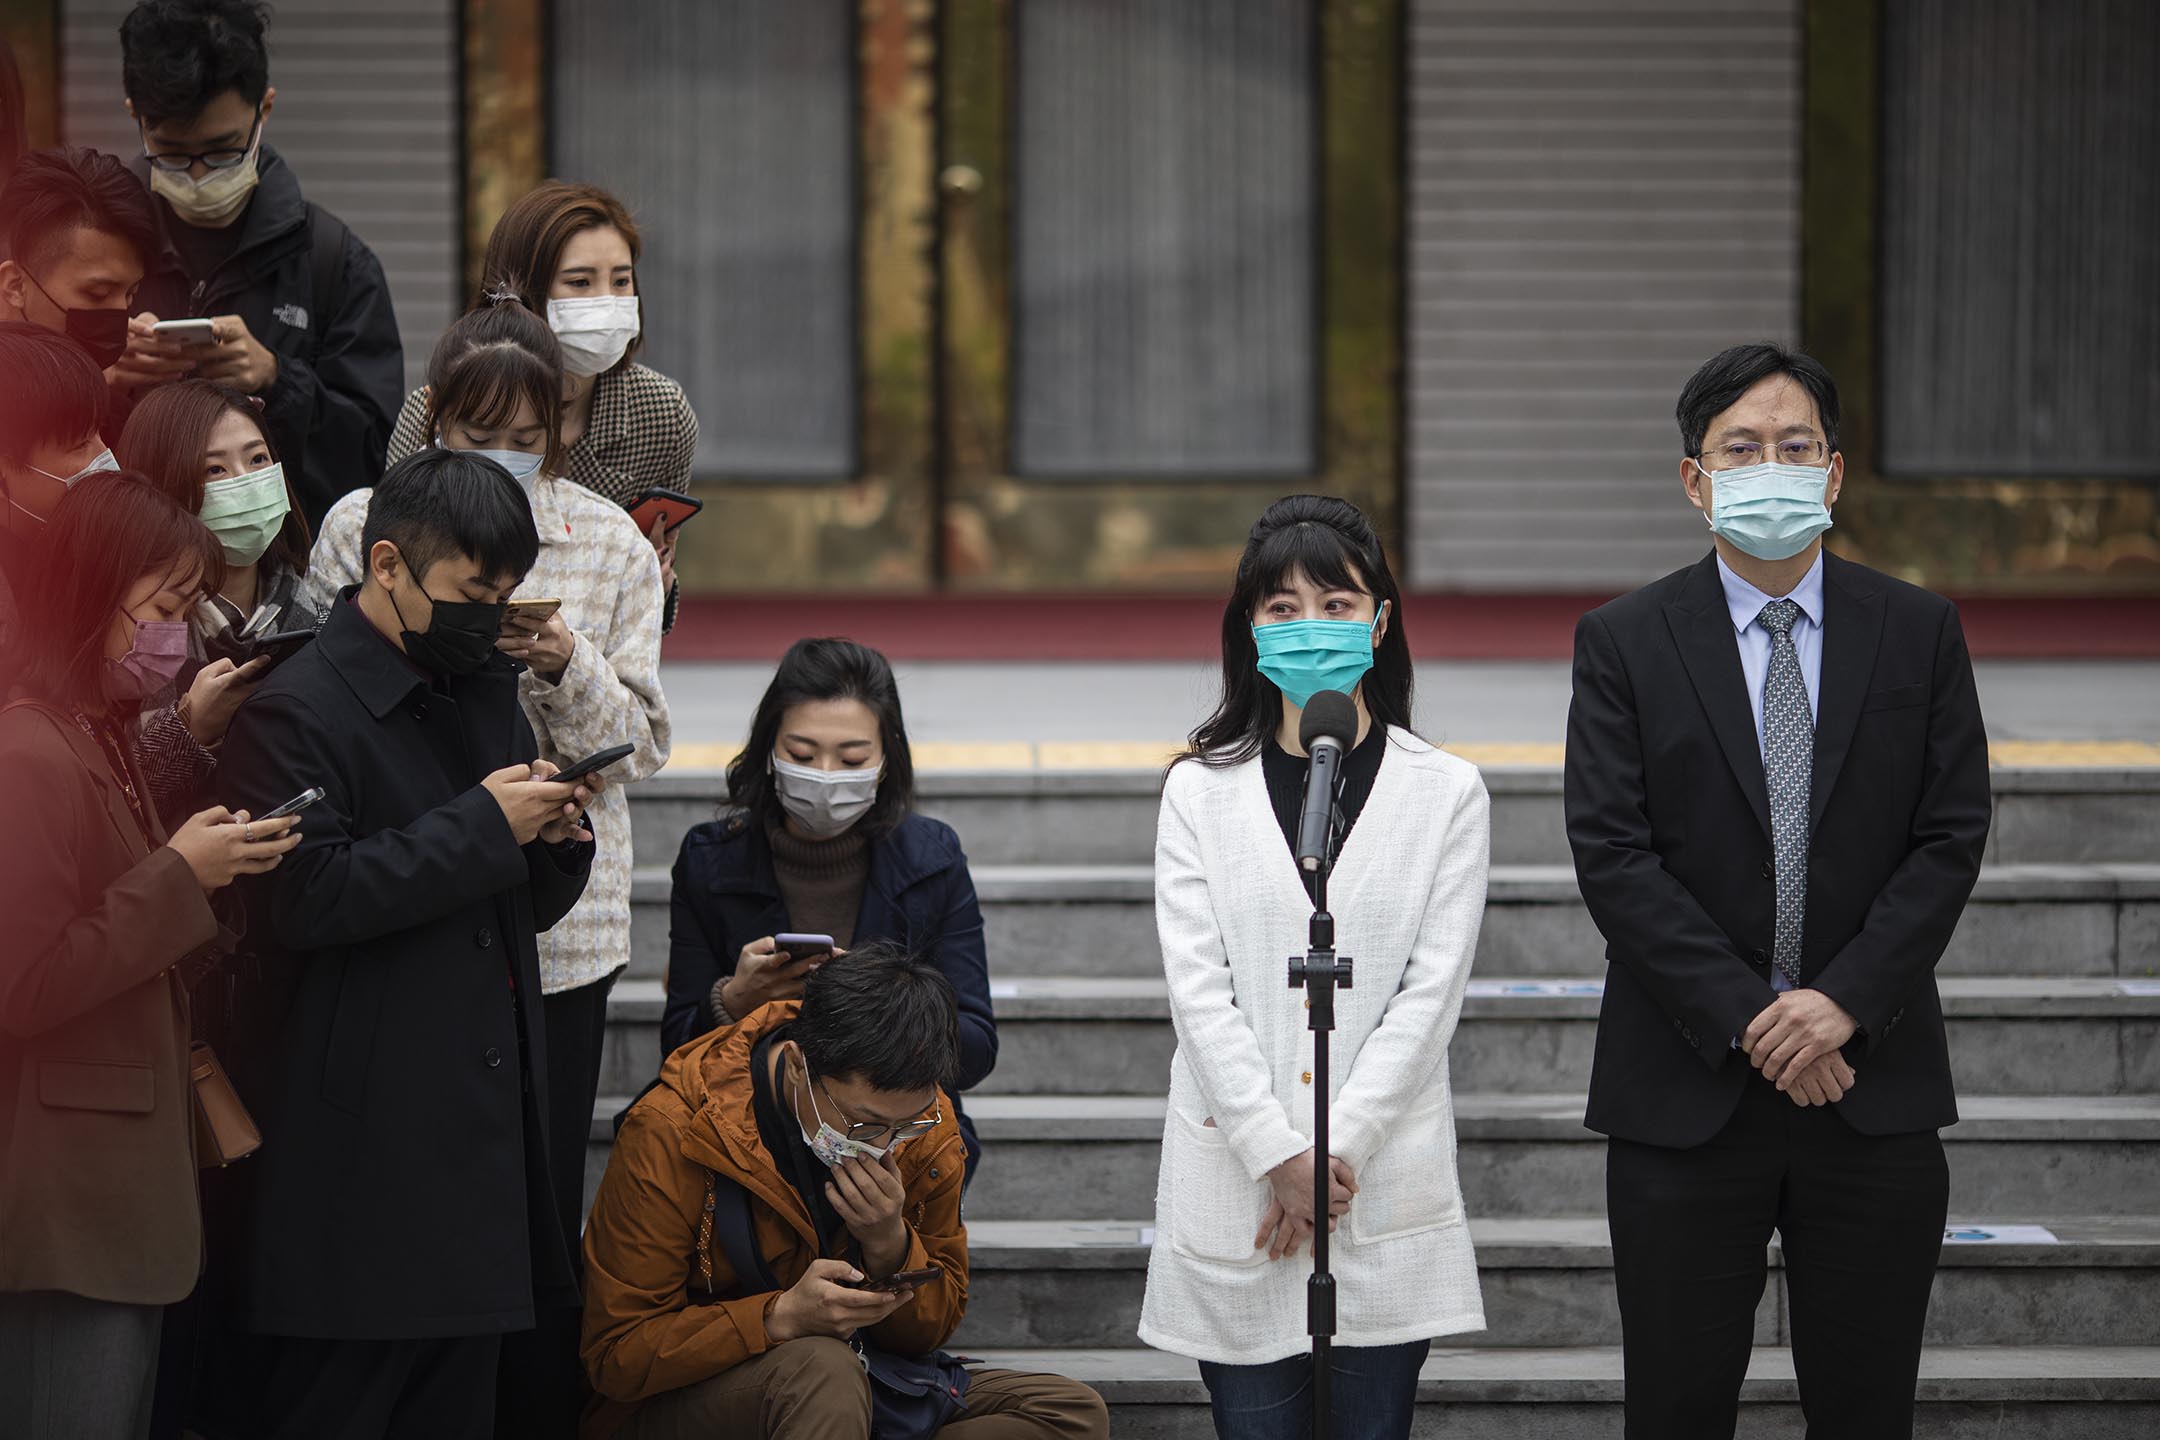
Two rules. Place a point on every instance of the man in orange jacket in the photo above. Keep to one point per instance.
(827, 1114)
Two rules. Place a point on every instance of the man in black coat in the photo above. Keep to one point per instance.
(301, 309)
(1777, 796)
(400, 1217)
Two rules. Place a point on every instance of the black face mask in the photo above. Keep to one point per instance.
(104, 333)
(460, 637)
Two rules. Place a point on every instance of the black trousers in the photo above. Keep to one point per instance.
(1860, 1219)
(542, 1388)
(379, 1389)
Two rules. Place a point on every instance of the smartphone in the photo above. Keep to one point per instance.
(280, 647)
(802, 947)
(894, 1284)
(657, 503)
(529, 615)
(598, 760)
(187, 332)
(295, 805)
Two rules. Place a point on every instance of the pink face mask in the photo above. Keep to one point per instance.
(154, 660)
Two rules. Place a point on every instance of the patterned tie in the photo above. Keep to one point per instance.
(1788, 766)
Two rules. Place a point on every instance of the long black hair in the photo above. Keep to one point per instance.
(1333, 543)
(815, 670)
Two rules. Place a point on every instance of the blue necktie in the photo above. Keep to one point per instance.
(1788, 766)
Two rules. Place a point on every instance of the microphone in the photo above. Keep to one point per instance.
(1325, 732)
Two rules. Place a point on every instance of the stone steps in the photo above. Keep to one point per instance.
(1549, 1282)
(1094, 1157)
(2066, 918)
(2008, 1035)
(2043, 814)
(1573, 1393)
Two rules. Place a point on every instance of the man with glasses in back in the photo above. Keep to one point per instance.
(1777, 795)
(299, 310)
(788, 1192)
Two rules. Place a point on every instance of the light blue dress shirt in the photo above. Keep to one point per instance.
(1744, 603)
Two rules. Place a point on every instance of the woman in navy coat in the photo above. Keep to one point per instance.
(822, 839)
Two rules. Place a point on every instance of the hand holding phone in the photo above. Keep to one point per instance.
(799, 948)
(192, 333)
(592, 764)
(894, 1284)
(523, 617)
(659, 505)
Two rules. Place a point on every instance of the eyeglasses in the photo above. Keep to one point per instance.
(884, 1136)
(1750, 452)
(177, 162)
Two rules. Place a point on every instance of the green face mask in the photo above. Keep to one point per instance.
(246, 512)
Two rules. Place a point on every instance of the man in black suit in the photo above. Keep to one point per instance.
(1777, 797)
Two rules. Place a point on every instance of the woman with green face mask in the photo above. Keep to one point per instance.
(1313, 608)
(205, 446)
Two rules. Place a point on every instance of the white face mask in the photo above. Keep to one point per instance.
(104, 461)
(211, 202)
(595, 331)
(523, 466)
(825, 802)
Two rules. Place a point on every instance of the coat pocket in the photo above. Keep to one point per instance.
(1214, 1206)
(352, 1036)
(1409, 1185)
(126, 1086)
(1896, 697)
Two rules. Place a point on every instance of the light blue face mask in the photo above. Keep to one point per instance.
(1769, 510)
(522, 466)
(1304, 657)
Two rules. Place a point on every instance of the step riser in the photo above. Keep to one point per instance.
(1541, 1307)
(1115, 1179)
(1533, 1420)
(1117, 938)
(1528, 826)
(2038, 1056)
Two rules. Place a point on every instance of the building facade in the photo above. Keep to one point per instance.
(1056, 294)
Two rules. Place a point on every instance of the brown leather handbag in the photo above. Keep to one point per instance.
(224, 1131)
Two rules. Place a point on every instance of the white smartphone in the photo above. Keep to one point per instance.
(187, 332)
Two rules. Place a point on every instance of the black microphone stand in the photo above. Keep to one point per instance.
(1318, 972)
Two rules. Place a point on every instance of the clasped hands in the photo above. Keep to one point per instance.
(1288, 1223)
(1796, 1042)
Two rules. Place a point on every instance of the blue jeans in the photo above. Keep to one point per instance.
(1375, 1394)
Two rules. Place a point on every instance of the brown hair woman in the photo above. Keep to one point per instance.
(568, 252)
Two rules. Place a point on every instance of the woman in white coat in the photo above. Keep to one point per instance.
(1314, 608)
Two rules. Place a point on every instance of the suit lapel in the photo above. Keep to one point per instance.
(1702, 629)
(1852, 630)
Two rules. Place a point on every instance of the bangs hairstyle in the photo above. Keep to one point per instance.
(881, 1018)
(526, 247)
(497, 355)
(176, 56)
(437, 504)
(54, 193)
(825, 670)
(1333, 543)
(167, 441)
(51, 392)
(109, 531)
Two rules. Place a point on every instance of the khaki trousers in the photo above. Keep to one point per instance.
(815, 1389)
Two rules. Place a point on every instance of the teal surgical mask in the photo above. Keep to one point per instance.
(1304, 657)
(1769, 510)
(246, 512)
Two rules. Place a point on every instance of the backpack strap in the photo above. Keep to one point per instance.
(727, 1220)
(326, 272)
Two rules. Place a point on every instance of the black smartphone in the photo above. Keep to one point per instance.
(905, 1280)
(295, 805)
(279, 647)
(598, 760)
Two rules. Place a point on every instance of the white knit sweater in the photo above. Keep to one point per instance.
(1408, 894)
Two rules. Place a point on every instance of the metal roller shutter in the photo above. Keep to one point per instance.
(1601, 197)
(366, 115)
